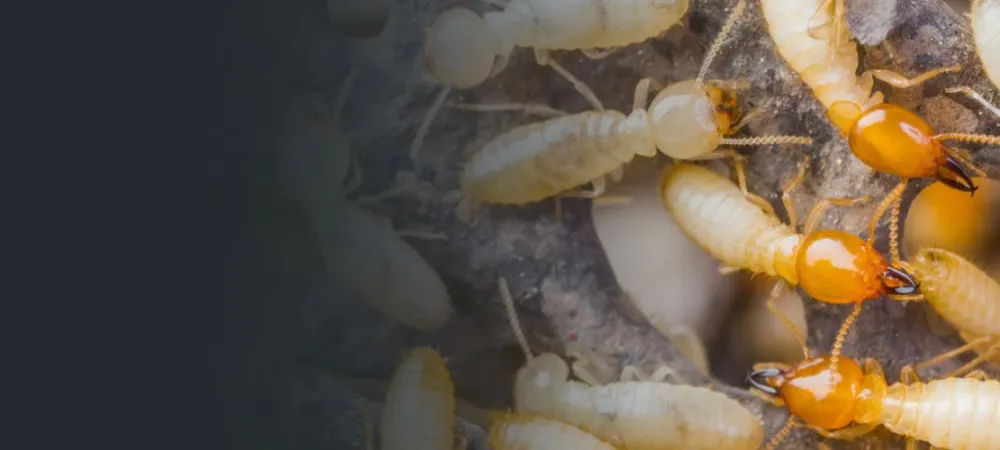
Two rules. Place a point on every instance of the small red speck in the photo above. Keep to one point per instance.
(572, 337)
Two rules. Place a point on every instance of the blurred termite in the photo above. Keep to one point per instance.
(848, 400)
(813, 38)
(984, 15)
(637, 415)
(463, 49)
(361, 249)
(514, 431)
(687, 120)
(941, 217)
(419, 411)
(829, 265)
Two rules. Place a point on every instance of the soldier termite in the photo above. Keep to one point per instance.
(361, 249)
(848, 400)
(687, 120)
(831, 266)
(463, 49)
(533, 432)
(419, 411)
(984, 15)
(638, 415)
(813, 38)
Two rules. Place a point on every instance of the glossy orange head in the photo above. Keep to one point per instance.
(893, 139)
(813, 391)
(839, 267)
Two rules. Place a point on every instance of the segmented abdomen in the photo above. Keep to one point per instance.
(531, 432)
(419, 411)
(714, 213)
(536, 161)
(953, 413)
(653, 416)
(985, 18)
(828, 68)
(584, 24)
(959, 291)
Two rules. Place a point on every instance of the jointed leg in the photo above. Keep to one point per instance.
(545, 59)
(594, 53)
(812, 220)
(975, 96)
(580, 369)
(641, 95)
(983, 356)
(872, 366)
(527, 108)
(786, 193)
(898, 80)
(908, 375)
(955, 352)
(741, 178)
(883, 207)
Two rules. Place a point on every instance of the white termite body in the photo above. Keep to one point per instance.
(986, 32)
(640, 415)
(531, 432)
(419, 411)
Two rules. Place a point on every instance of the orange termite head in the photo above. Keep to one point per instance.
(839, 267)
(893, 139)
(723, 100)
(822, 394)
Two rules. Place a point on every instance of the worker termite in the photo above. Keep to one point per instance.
(361, 249)
(886, 137)
(464, 49)
(848, 400)
(637, 414)
(831, 266)
(687, 120)
(985, 14)
(963, 295)
(532, 432)
(419, 411)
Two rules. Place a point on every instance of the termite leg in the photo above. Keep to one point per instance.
(848, 433)
(872, 366)
(900, 81)
(728, 270)
(746, 119)
(599, 186)
(957, 351)
(812, 220)
(908, 375)
(983, 356)
(786, 193)
(799, 337)
(741, 177)
(526, 108)
(883, 207)
(580, 368)
(633, 373)
(978, 374)
(975, 96)
(545, 59)
(593, 53)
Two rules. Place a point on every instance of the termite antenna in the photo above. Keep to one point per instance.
(773, 443)
(720, 39)
(508, 301)
(768, 140)
(838, 343)
(418, 141)
(771, 306)
(974, 138)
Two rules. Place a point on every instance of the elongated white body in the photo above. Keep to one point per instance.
(953, 413)
(986, 32)
(536, 161)
(582, 24)
(828, 68)
(419, 411)
(639, 414)
(531, 432)
(959, 291)
(714, 213)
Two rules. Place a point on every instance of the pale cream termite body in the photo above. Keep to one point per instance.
(717, 215)
(985, 17)
(951, 413)
(419, 411)
(828, 66)
(532, 432)
(639, 415)
(959, 291)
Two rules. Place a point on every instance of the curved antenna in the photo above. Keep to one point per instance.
(974, 138)
(508, 302)
(768, 140)
(838, 343)
(773, 443)
(720, 39)
(418, 141)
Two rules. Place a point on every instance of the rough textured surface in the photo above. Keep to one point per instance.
(566, 293)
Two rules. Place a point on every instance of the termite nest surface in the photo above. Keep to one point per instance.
(567, 295)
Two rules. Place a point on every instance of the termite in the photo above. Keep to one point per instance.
(886, 137)
(965, 296)
(831, 266)
(637, 415)
(687, 120)
(419, 411)
(361, 249)
(848, 400)
(984, 15)
(532, 432)
(463, 49)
